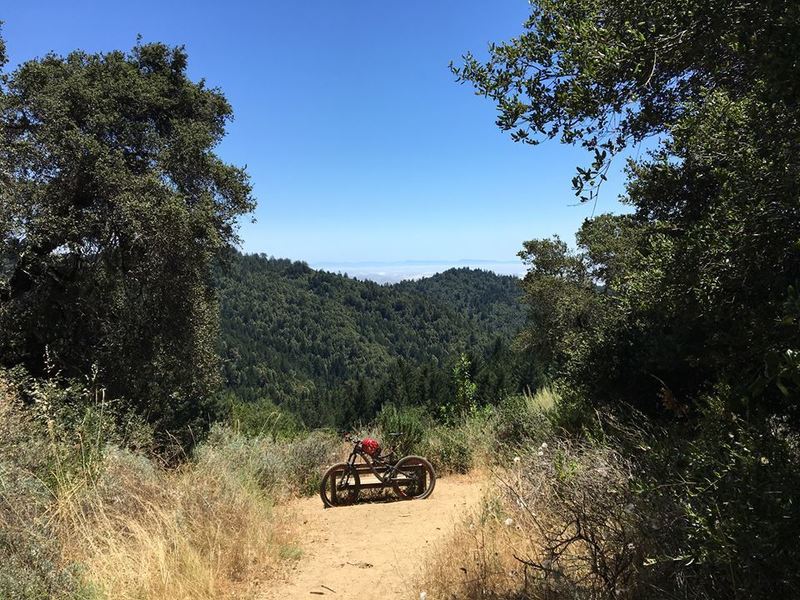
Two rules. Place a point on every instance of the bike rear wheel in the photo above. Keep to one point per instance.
(340, 485)
(414, 478)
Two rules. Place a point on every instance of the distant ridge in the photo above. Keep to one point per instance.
(402, 270)
(333, 349)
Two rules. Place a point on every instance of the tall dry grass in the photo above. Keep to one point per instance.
(559, 524)
(477, 562)
(143, 532)
(210, 529)
(80, 517)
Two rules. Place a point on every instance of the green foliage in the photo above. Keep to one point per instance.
(262, 419)
(332, 350)
(402, 428)
(728, 485)
(461, 445)
(113, 206)
(523, 419)
(279, 467)
(466, 389)
(686, 294)
(492, 302)
(449, 449)
(691, 296)
(66, 427)
(31, 565)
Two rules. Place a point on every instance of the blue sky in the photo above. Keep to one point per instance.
(360, 145)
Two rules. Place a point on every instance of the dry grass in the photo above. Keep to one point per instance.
(477, 562)
(141, 532)
(82, 518)
(559, 523)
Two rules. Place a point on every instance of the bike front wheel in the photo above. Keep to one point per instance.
(414, 478)
(340, 485)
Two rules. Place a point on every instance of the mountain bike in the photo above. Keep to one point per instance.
(411, 477)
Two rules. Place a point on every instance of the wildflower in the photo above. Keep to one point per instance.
(543, 446)
(516, 460)
(540, 453)
(509, 522)
(764, 460)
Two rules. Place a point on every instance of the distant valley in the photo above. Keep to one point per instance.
(332, 349)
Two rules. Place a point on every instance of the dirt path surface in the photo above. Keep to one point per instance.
(372, 550)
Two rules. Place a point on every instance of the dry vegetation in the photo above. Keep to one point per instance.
(141, 532)
(82, 518)
(560, 522)
(555, 527)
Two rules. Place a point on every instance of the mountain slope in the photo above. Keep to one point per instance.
(314, 341)
(491, 301)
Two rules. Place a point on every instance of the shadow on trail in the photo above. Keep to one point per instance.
(374, 498)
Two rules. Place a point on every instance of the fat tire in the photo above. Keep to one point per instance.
(324, 486)
(417, 460)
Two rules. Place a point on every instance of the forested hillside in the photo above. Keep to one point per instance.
(658, 455)
(332, 349)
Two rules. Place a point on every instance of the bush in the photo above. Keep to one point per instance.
(695, 508)
(82, 517)
(281, 468)
(719, 491)
(449, 449)
(408, 422)
(524, 419)
(262, 419)
(562, 524)
(584, 519)
(462, 445)
(31, 564)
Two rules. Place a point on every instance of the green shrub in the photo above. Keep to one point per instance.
(262, 419)
(524, 419)
(31, 566)
(62, 430)
(409, 423)
(720, 491)
(462, 445)
(30, 556)
(276, 466)
(449, 449)
(308, 455)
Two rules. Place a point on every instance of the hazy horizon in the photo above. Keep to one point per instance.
(396, 271)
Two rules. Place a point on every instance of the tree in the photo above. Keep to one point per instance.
(687, 308)
(113, 206)
(356, 345)
(466, 390)
(687, 295)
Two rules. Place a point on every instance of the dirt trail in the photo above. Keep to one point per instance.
(372, 550)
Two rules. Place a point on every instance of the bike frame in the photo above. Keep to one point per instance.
(390, 469)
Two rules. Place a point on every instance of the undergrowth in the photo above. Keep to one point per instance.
(86, 511)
